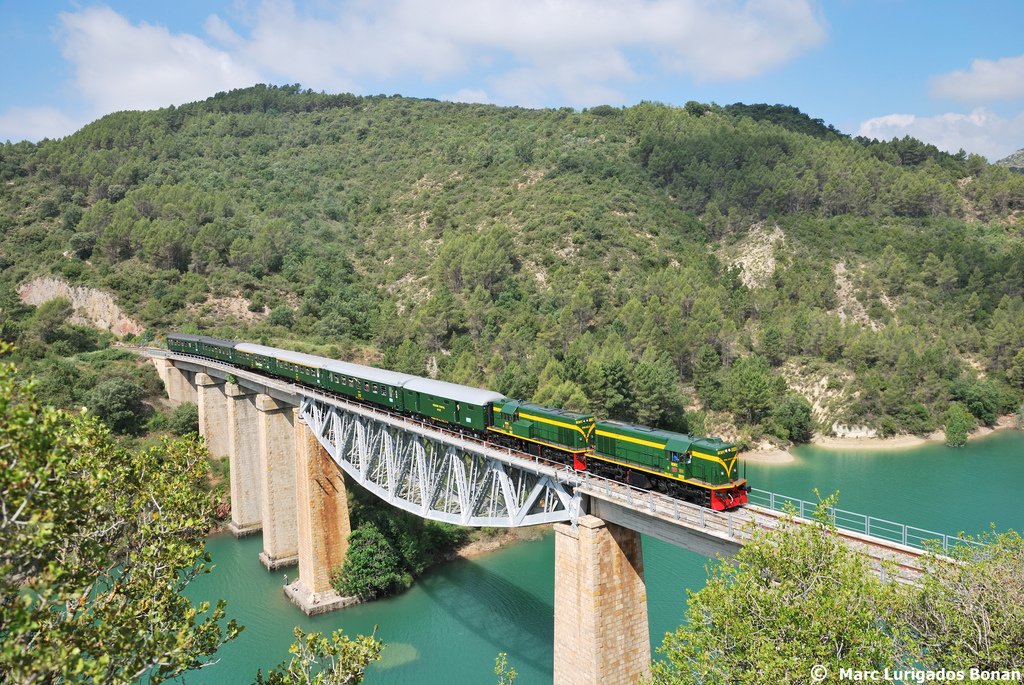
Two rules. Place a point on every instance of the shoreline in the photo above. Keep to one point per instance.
(906, 441)
(765, 453)
(504, 538)
(768, 456)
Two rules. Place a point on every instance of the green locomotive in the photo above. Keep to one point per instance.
(551, 432)
(704, 470)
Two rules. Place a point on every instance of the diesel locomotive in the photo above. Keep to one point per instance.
(698, 469)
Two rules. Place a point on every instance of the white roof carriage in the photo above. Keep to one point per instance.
(454, 391)
(365, 373)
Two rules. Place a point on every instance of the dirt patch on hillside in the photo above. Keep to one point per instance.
(90, 307)
(533, 176)
(232, 307)
(850, 308)
(754, 255)
(826, 388)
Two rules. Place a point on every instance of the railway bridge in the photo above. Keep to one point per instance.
(289, 444)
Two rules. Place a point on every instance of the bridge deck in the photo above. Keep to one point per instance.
(680, 523)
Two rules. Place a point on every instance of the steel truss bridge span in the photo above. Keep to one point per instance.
(438, 476)
(421, 468)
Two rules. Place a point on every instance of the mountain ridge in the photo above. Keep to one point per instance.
(1014, 162)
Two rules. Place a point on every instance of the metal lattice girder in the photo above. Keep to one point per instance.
(438, 476)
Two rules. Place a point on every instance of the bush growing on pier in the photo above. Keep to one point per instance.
(372, 567)
(389, 547)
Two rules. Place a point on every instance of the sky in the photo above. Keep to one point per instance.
(950, 72)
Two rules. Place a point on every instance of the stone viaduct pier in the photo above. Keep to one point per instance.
(289, 446)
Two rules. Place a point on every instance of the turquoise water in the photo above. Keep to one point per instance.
(450, 626)
(940, 488)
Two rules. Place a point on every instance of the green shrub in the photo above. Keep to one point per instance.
(372, 567)
(118, 403)
(184, 419)
(791, 418)
(959, 423)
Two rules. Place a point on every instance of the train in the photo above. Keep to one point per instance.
(703, 470)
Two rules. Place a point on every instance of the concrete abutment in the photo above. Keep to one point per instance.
(601, 631)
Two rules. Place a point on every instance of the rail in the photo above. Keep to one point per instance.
(891, 531)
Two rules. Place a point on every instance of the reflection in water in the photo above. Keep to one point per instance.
(505, 615)
(397, 654)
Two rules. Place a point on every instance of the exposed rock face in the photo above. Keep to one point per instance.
(1014, 162)
(91, 307)
(841, 431)
(754, 255)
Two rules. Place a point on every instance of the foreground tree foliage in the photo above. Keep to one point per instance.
(97, 544)
(792, 598)
(318, 660)
(797, 596)
(971, 613)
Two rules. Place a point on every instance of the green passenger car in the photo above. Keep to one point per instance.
(202, 345)
(366, 383)
(702, 465)
(562, 430)
(451, 403)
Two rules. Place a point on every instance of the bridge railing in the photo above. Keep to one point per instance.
(902, 534)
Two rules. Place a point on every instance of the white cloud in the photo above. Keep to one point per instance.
(980, 132)
(529, 52)
(469, 95)
(34, 123)
(580, 51)
(119, 65)
(987, 80)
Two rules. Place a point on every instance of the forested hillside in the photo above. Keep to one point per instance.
(722, 268)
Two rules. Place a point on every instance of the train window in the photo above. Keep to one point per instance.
(375, 387)
(366, 386)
